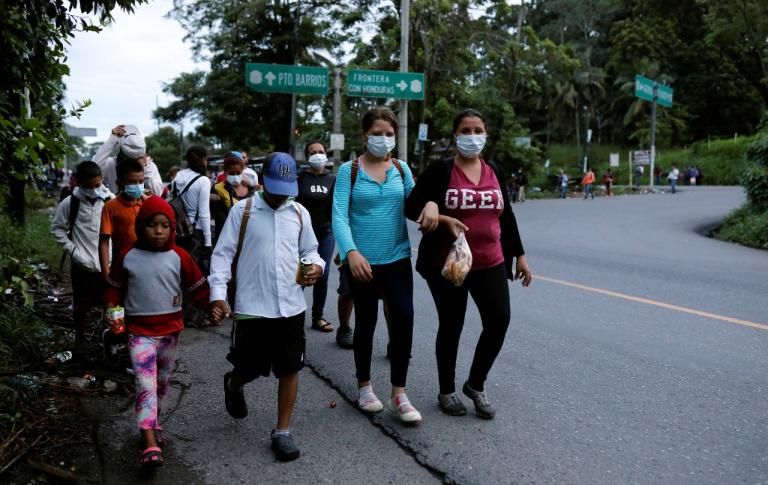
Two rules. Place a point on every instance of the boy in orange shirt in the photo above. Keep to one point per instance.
(118, 217)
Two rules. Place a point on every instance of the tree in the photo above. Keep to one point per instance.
(233, 32)
(32, 42)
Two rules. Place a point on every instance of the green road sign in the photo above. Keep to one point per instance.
(644, 90)
(286, 78)
(385, 84)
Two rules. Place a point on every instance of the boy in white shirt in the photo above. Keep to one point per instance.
(269, 305)
(75, 227)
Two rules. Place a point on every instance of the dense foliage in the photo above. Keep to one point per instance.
(33, 42)
(548, 69)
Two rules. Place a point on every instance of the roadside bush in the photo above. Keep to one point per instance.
(746, 226)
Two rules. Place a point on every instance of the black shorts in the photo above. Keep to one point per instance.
(344, 275)
(86, 287)
(263, 344)
(344, 278)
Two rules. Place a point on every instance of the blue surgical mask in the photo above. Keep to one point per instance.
(378, 146)
(91, 193)
(470, 145)
(134, 191)
(234, 180)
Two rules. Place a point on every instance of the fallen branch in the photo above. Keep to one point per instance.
(21, 455)
(53, 471)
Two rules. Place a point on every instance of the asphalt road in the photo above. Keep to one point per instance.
(662, 381)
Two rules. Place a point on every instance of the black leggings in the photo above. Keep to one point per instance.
(490, 291)
(394, 281)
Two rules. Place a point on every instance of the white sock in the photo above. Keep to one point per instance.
(364, 391)
(282, 432)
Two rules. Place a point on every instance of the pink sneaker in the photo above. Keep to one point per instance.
(403, 407)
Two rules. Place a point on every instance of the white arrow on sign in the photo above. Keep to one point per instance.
(270, 77)
(403, 85)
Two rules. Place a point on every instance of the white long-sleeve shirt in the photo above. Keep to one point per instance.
(197, 200)
(274, 242)
(108, 165)
(83, 248)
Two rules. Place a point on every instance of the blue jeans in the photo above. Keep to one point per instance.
(563, 191)
(673, 183)
(588, 191)
(326, 245)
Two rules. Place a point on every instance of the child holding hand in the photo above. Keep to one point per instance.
(148, 280)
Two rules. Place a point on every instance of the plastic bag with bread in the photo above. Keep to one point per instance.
(459, 261)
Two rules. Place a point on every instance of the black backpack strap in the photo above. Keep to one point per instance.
(190, 184)
(74, 208)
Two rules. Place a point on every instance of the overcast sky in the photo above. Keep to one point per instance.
(122, 69)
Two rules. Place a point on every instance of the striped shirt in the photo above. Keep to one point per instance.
(374, 225)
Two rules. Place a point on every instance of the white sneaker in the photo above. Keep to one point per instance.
(403, 408)
(367, 400)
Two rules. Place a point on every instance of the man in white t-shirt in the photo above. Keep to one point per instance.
(130, 144)
(673, 176)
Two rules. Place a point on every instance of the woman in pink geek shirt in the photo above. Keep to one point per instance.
(467, 194)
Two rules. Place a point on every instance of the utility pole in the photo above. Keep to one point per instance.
(292, 135)
(337, 110)
(653, 133)
(402, 130)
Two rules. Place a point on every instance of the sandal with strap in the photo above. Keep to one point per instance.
(151, 457)
(322, 327)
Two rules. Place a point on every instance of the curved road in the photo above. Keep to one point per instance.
(637, 356)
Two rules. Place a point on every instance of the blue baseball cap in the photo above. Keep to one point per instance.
(280, 174)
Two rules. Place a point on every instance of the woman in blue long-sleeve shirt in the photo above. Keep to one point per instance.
(370, 230)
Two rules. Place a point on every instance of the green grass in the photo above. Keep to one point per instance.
(745, 226)
(721, 161)
(32, 241)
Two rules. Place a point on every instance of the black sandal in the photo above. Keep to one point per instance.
(325, 327)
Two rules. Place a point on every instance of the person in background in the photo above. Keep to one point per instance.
(227, 193)
(170, 176)
(467, 195)
(197, 202)
(370, 228)
(130, 145)
(269, 306)
(119, 214)
(522, 181)
(316, 194)
(563, 184)
(587, 182)
(639, 171)
(149, 280)
(513, 187)
(608, 182)
(699, 175)
(657, 175)
(75, 227)
(672, 176)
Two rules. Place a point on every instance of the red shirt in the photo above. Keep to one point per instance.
(479, 208)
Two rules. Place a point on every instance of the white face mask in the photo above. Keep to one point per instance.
(234, 180)
(91, 193)
(379, 146)
(318, 160)
(470, 145)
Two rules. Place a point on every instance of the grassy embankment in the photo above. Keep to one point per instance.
(721, 161)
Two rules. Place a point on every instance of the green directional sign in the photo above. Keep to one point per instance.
(385, 84)
(286, 78)
(644, 90)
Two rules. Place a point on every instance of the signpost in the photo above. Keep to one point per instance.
(337, 141)
(641, 157)
(423, 131)
(385, 84)
(656, 93)
(614, 159)
(286, 78)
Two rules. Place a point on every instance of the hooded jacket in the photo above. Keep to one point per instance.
(83, 247)
(150, 282)
(108, 166)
